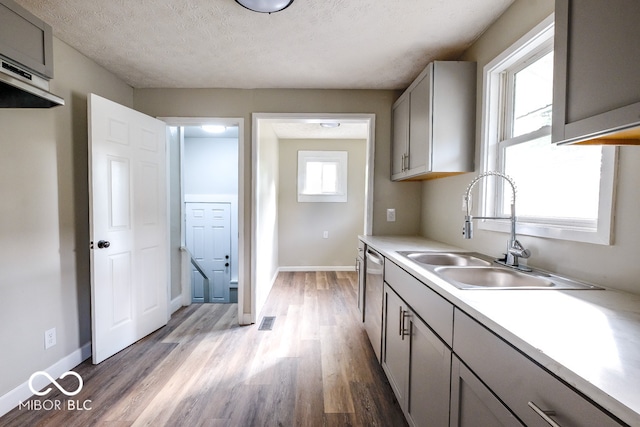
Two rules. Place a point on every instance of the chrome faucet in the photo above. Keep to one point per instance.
(515, 249)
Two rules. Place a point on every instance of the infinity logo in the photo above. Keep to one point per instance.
(65, 392)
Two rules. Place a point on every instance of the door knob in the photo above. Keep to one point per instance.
(103, 244)
(226, 264)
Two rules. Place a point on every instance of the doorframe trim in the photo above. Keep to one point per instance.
(369, 118)
(228, 121)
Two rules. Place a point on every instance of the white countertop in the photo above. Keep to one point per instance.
(588, 338)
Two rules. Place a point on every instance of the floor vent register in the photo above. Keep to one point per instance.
(267, 323)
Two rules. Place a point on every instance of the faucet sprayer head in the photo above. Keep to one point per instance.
(467, 231)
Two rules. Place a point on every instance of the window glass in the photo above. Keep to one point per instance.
(533, 96)
(554, 182)
(563, 192)
(322, 176)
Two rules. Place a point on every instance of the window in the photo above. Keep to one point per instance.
(563, 192)
(322, 176)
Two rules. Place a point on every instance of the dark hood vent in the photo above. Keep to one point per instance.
(16, 93)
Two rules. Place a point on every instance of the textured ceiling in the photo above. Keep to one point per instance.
(329, 44)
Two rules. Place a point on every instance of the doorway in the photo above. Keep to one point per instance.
(268, 131)
(206, 208)
(210, 200)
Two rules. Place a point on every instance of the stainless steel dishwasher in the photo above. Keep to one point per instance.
(373, 299)
(360, 268)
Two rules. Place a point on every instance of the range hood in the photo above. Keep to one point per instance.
(22, 89)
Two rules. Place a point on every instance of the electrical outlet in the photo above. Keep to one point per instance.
(391, 215)
(325, 234)
(50, 338)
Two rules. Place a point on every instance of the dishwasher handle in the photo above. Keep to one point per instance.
(375, 257)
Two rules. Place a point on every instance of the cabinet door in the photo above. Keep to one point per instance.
(429, 377)
(596, 79)
(420, 125)
(519, 382)
(395, 352)
(400, 142)
(473, 404)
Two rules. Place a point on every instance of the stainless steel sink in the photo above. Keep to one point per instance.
(504, 278)
(471, 270)
(446, 259)
(493, 277)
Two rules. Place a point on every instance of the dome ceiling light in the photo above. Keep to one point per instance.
(330, 124)
(265, 6)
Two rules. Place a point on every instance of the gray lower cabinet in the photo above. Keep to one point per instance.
(429, 379)
(447, 369)
(532, 394)
(395, 348)
(417, 363)
(473, 404)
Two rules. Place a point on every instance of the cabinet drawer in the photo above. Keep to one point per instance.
(517, 380)
(427, 304)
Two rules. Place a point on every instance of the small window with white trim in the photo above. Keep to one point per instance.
(563, 192)
(322, 176)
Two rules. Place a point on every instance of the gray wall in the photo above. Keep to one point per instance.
(266, 227)
(613, 266)
(301, 225)
(211, 166)
(404, 196)
(175, 212)
(44, 232)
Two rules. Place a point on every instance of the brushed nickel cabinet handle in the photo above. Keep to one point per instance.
(403, 329)
(545, 415)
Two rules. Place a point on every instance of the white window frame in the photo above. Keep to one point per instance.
(540, 37)
(340, 158)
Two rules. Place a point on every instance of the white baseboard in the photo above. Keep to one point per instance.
(23, 392)
(319, 268)
(176, 304)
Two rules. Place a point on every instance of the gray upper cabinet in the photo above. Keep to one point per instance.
(434, 123)
(25, 39)
(596, 97)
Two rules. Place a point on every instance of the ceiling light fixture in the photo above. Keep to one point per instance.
(265, 6)
(330, 124)
(214, 128)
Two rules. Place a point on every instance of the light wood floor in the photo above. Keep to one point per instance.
(315, 368)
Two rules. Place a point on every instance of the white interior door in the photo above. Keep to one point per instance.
(128, 226)
(208, 238)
